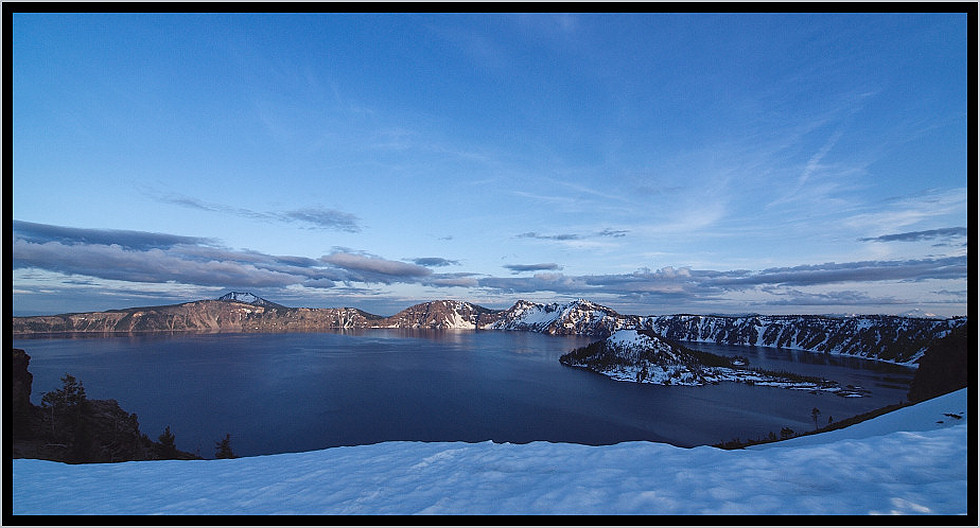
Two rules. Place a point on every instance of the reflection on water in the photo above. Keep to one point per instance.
(302, 391)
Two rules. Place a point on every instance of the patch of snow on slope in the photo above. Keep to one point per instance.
(535, 315)
(457, 321)
(630, 339)
(240, 297)
(938, 413)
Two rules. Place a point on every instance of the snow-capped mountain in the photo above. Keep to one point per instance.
(441, 315)
(918, 312)
(248, 298)
(578, 317)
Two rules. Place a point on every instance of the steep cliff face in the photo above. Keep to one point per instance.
(888, 338)
(198, 316)
(21, 381)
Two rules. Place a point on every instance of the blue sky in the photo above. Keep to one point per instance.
(655, 163)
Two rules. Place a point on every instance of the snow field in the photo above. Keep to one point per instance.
(919, 468)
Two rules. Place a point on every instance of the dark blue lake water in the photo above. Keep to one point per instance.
(279, 393)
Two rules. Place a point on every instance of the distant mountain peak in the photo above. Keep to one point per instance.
(248, 298)
(920, 313)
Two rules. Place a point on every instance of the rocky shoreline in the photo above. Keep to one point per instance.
(80, 431)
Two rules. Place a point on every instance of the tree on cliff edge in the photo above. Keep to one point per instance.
(223, 448)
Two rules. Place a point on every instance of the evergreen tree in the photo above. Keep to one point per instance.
(65, 406)
(815, 413)
(168, 443)
(70, 395)
(223, 448)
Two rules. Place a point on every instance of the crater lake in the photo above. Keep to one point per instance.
(290, 392)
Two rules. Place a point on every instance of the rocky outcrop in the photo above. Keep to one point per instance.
(20, 387)
(84, 431)
(945, 367)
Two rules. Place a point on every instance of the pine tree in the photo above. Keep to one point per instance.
(70, 395)
(223, 448)
(815, 413)
(65, 406)
(168, 443)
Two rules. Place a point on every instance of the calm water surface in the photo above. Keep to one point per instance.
(301, 391)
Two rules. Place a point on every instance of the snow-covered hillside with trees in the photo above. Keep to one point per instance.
(911, 461)
(642, 357)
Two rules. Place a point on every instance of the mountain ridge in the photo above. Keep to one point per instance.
(893, 339)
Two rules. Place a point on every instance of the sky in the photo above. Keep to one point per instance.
(656, 163)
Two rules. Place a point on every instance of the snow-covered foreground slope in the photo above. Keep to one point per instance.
(937, 413)
(907, 464)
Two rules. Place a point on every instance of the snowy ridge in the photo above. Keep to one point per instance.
(886, 338)
(907, 464)
(576, 317)
(901, 340)
(440, 315)
(248, 298)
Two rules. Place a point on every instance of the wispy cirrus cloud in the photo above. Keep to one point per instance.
(561, 237)
(435, 262)
(916, 236)
(615, 233)
(323, 218)
(908, 210)
(315, 217)
(519, 268)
